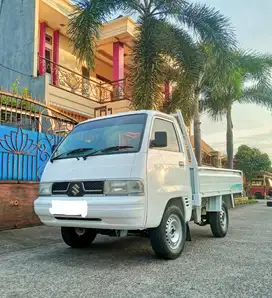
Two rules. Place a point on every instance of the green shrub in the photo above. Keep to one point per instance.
(245, 202)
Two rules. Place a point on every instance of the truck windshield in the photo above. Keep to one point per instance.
(113, 135)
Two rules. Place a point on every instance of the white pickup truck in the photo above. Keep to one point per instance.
(128, 174)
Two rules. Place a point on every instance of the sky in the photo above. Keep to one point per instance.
(252, 21)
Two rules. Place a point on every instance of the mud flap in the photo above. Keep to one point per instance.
(188, 233)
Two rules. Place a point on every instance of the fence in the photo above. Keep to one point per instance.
(94, 89)
(28, 130)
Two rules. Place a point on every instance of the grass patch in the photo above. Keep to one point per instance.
(248, 201)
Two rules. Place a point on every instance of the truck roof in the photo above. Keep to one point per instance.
(148, 112)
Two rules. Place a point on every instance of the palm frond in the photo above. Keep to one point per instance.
(182, 98)
(214, 67)
(210, 27)
(260, 95)
(176, 43)
(209, 24)
(147, 75)
(249, 81)
(86, 22)
(165, 8)
(255, 67)
(216, 101)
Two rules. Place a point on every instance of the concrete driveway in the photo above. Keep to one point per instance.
(35, 263)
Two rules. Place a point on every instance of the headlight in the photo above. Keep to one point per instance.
(133, 187)
(45, 189)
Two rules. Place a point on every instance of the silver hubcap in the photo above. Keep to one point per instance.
(173, 231)
(223, 218)
(80, 231)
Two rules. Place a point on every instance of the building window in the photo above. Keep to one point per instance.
(99, 112)
(48, 39)
(48, 57)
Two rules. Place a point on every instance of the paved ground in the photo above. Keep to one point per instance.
(35, 263)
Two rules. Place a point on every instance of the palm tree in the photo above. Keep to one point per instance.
(163, 32)
(249, 81)
(191, 89)
(156, 37)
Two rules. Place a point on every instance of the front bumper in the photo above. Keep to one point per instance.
(123, 213)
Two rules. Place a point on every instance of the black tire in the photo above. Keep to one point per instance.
(269, 203)
(162, 237)
(219, 222)
(73, 238)
(258, 196)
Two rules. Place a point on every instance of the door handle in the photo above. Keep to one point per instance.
(181, 163)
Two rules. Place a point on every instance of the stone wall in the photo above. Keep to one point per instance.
(16, 204)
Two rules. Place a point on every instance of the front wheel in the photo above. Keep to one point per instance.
(219, 222)
(78, 237)
(168, 239)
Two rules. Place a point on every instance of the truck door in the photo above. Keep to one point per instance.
(175, 177)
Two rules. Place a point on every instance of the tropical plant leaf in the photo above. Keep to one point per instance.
(182, 98)
(86, 22)
(165, 8)
(210, 27)
(176, 43)
(208, 23)
(255, 67)
(147, 75)
(249, 81)
(260, 95)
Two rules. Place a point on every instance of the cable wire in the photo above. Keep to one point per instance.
(19, 72)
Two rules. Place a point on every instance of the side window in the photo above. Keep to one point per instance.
(168, 127)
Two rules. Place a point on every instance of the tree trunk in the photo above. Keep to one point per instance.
(197, 132)
(229, 138)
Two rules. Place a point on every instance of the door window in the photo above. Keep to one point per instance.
(168, 127)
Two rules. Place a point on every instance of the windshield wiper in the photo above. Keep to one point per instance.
(78, 150)
(107, 149)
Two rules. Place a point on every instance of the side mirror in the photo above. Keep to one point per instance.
(160, 140)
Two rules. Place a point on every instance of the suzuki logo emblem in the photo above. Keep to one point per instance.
(75, 190)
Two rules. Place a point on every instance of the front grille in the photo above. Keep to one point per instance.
(89, 187)
(60, 187)
(94, 187)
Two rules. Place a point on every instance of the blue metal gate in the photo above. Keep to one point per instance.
(28, 130)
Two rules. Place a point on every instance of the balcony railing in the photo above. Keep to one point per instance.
(93, 89)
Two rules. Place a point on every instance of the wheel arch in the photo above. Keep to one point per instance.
(228, 200)
(155, 215)
(178, 201)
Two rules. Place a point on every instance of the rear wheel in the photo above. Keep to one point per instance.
(78, 237)
(258, 196)
(219, 222)
(168, 239)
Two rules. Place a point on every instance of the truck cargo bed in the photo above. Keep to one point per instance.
(215, 181)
